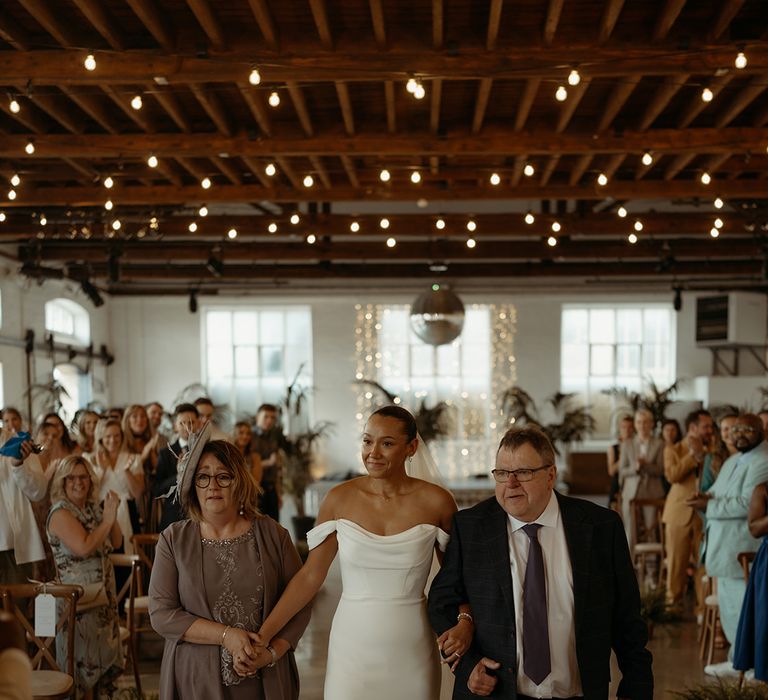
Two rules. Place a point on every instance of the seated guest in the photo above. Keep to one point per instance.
(85, 432)
(242, 440)
(246, 561)
(119, 470)
(266, 445)
(751, 648)
(185, 419)
(626, 429)
(727, 533)
(21, 482)
(15, 667)
(12, 423)
(82, 535)
(641, 466)
(682, 465)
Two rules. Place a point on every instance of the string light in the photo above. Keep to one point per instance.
(391, 242)
(706, 178)
(602, 179)
(528, 170)
(109, 183)
(274, 99)
(295, 218)
(574, 78)
(471, 225)
(152, 161)
(411, 85)
(529, 218)
(440, 224)
(632, 238)
(741, 60)
(308, 181)
(354, 227)
(254, 77)
(714, 232)
(272, 228)
(561, 94)
(205, 183)
(30, 147)
(15, 180)
(2, 216)
(420, 92)
(638, 225)
(90, 62)
(556, 226)
(108, 205)
(718, 223)
(311, 238)
(14, 105)
(495, 179)
(622, 212)
(232, 234)
(192, 227)
(384, 223)
(415, 177)
(647, 158)
(137, 103)
(707, 95)
(116, 225)
(270, 170)
(203, 211)
(11, 194)
(718, 203)
(385, 175)
(551, 241)
(471, 242)
(43, 220)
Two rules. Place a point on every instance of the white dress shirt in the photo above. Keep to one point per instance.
(564, 680)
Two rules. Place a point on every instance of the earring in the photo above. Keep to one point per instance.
(242, 509)
(410, 460)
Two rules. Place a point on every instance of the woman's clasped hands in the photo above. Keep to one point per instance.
(248, 652)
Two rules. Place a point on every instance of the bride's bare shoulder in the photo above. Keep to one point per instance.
(436, 495)
(344, 490)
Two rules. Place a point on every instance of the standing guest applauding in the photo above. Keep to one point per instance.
(246, 561)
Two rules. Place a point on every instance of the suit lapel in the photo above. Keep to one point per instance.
(578, 536)
(497, 542)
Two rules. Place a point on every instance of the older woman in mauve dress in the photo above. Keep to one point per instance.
(216, 576)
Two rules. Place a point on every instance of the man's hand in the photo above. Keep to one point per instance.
(480, 681)
(698, 500)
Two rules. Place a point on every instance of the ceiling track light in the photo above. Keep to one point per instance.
(193, 302)
(214, 266)
(92, 293)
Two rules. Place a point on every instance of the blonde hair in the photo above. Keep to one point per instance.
(129, 439)
(82, 438)
(101, 429)
(64, 468)
(245, 490)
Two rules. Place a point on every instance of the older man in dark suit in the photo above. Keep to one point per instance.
(551, 587)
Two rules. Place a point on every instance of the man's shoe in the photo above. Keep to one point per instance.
(724, 669)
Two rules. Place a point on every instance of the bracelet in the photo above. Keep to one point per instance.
(465, 616)
(224, 634)
(274, 656)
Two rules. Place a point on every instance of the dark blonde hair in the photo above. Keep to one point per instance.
(245, 490)
(65, 467)
(129, 439)
(101, 428)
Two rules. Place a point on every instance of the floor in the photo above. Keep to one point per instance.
(674, 647)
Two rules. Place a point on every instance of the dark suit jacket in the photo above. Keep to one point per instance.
(165, 477)
(476, 570)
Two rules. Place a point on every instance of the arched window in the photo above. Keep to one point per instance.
(68, 321)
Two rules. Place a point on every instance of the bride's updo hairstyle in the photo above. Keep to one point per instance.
(402, 415)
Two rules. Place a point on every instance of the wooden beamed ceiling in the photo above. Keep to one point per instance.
(489, 72)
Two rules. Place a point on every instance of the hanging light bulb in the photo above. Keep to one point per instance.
(718, 203)
(311, 238)
(354, 227)
(108, 205)
(495, 179)
(116, 225)
(602, 179)
(272, 228)
(647, 158)
(471, 225)
(2, 216)
(90, 62)
(270, 170)
(152, 161)
(471, 242)
(384, 223)
(706, 178)
(295, 218)
(551, 241)
(714, 232)
(391, 242)
(274, 99)
(632, 238)
(718, 223)
(43, 220)
(707, 95)
(254, 77)
(232, 234)
(15, 180)
(11, 194)
(528, 170)
(14, 105)
(420, 92)
(529, 218)
(137, 103)
(561, 94)
(385, 175)
(415, 177)
(622, 212)
(574, 78)
(205, 183)
(203, 211)
(638, 225)
(741, 60)
(109, 183)
(308, 181)
(192, 227)
(411, 85)
(29, 148)
(440, 224)
(556, 226)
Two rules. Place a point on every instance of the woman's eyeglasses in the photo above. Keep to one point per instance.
(223, 481)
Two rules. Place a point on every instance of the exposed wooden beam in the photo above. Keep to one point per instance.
(435, 96)
(618, 189)
(434, 165)
(570, 105)
(678, 164)
(714, 163)
(209, 22)
(229, 170)
(614, 163)
(138, 116)
(321, 22)
(320, 170)
(12, 33)
(155, 22)
(389, 96)
(608, 21)
(85, 170)
(667, 18)
(740, 102)
(166, 168)
(214, 107)
(287, 170)
(437, 24)
(662, 97)
(494, 20)
(253, 99)
(549, 169)
(481, 102)
(346, 107)
(195, 170)
(97, 14)
(28, 117)
(93, 106)
(495, 141)
(349, 169)
(526, 102)
(728, 11)
(379, 27)
(170, 103)
(554, 8)
(300, 105)
(51, 22)
(517, 170)
(261, 12)
(60, 110)
(696, 106)
(579, 169)
(617, 100)
(258, 171)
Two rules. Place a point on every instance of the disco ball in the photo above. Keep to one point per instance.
(437, 316)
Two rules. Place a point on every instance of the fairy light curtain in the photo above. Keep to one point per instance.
(470, 375)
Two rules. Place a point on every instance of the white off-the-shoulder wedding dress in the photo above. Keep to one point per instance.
(381, 644)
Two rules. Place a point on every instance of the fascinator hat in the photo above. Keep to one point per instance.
(187, 466)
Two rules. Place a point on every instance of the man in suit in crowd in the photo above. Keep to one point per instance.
(265, 444)
(185, 419)
(683, 463)
(550, 584)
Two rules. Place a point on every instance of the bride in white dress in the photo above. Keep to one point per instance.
(385, 526)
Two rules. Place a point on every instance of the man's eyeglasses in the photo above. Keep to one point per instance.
(743, 429)
(502, 475)
(224, 481)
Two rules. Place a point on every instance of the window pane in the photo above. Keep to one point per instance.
(656, 327)
(574, 360)
(422, 360)
(298, 327)
(272, 362)
(601, 360)
(628, 359)
(601, 328)
(475, 361)
(247, 396)
(219, 361)
(218, 328)
(476, 326)
(271, 326)
(575, 324)
(394, 325)
(448, 360)
(629, 324)
(395, 361)
(246, 361)
(246, 327)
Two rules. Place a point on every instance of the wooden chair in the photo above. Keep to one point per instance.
(711, 623)
(648, 542)
(746, 559)
(126, 561)
(51, 683)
